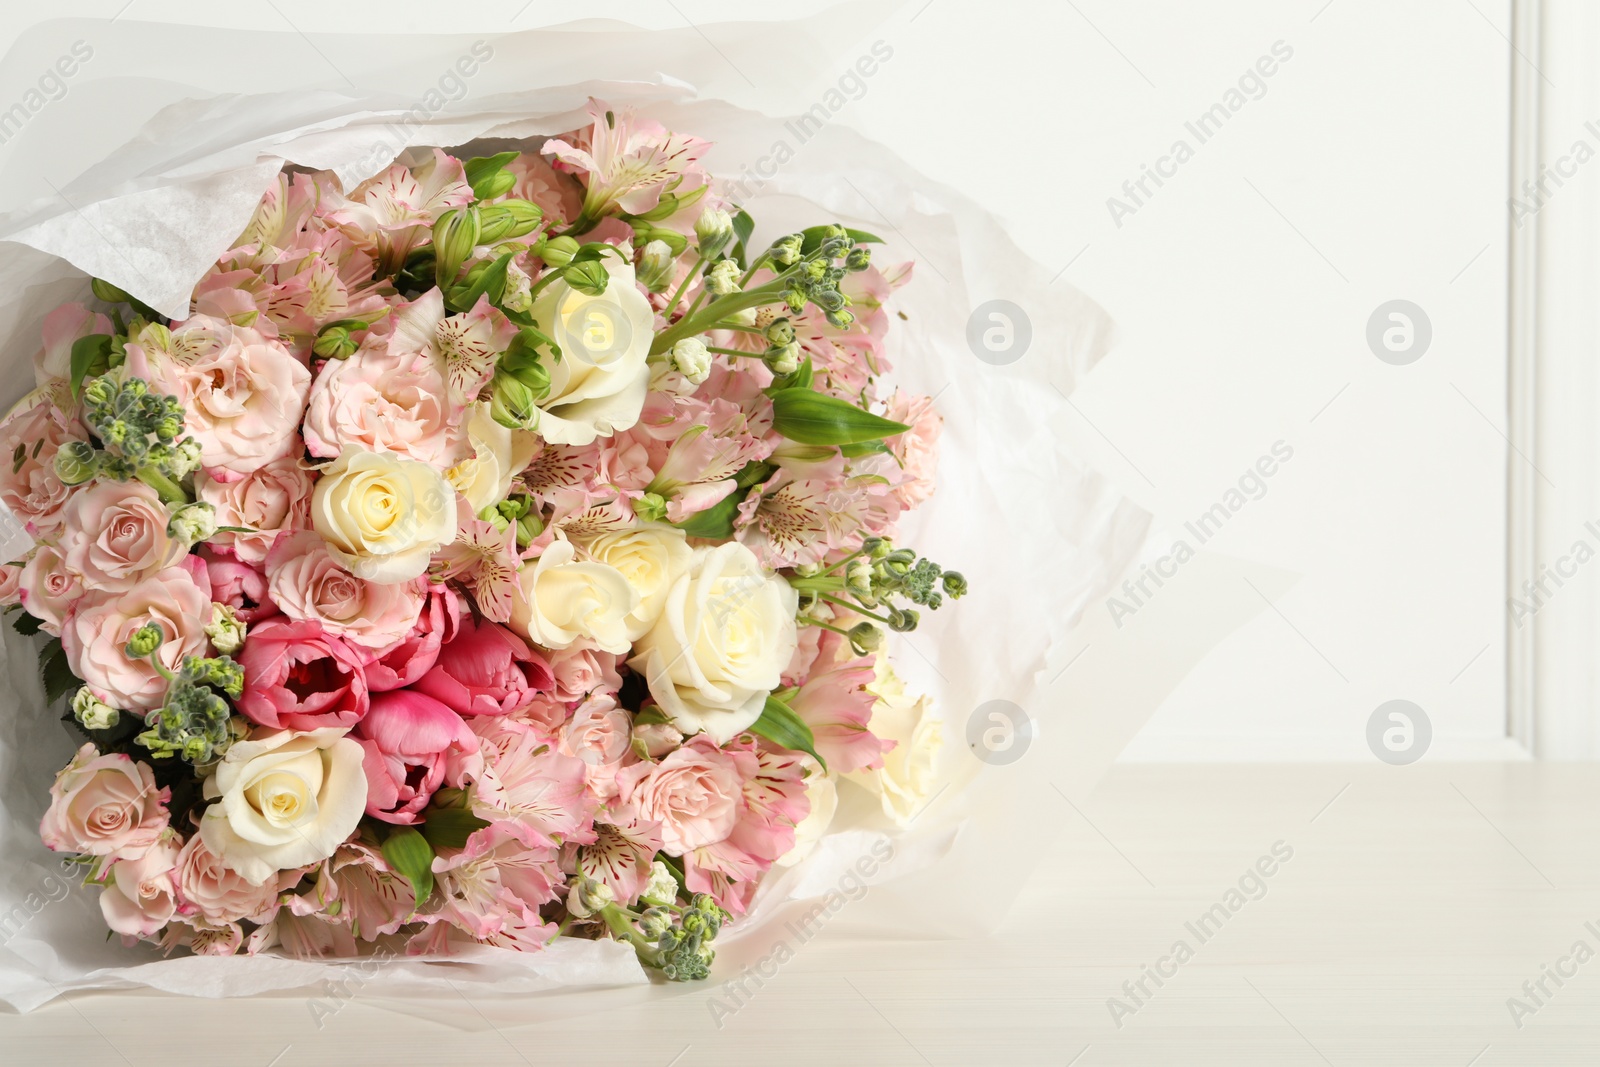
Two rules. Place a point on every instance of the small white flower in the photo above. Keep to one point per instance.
(690, 358)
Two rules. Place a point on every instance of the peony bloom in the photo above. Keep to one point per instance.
(105, 805)
(274, 498)
(598, 388)
(652, 559)
(299, 678)
(725, 634)
(47, 589)
(414, 655)
(30, 436)
(382, 516)
(308, 582)
(114, 535)
(905, 781)
(405, 738)
(560, 601)
(486, 670)
(210, 891)
(242, 392)
(283, 799)
(177, 601)
(139, 899)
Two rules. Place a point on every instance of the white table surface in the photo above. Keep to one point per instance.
(1417, 901)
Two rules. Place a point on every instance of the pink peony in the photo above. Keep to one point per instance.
(694, 794)
(276, 497)
(177, 601)
(47, 589)
(105, 805)
(386, 399)
(114, 535)
(241, 586)
(296, 677)
(414, 655)
(486, 670)
(140, 899)
(306, 582)
(30, 436)
(406, 736)
(242, 392)
(216, 894)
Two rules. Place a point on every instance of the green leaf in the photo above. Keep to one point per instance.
(491, 280)
(863, 448)
(56, 672)
(26, 624)
(450, 827)
(814, 418)
(780, 725)
(479, 167)
(716, 522)
(801, 379)
(411, 857)
(812, 238)
(743, 227)
(91, 355)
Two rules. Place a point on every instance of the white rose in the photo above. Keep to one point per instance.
(383, 515)
(560, 600)
(284, 800)
(499, 455)
(598, 387)
(907, 776)
(823, 795)
(652, 559)
(725, 634)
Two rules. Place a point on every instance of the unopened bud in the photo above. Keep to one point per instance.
(652, 507)
(335, 342)
(785, 251)
(91, 713)
(713, 230)
(455, 235)
(226, 630)
(655, 266)
(865, 638)
(193, 522)
(557, 251)
(108, 292)
(723, 277)
(783, 359)
(587, 896)
(589, 277)
(780, 332)
(511, 403)
(691, 359)
(507, 219)
(955, 584)
(145, 640)
(76, 462)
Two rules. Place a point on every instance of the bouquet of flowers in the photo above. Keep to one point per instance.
(501, 548)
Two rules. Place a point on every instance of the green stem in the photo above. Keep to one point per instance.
(804, 621)
(857, 608)
(688, 279)
(169, 490)
(818, 583)
(733, 352)
(715, 311)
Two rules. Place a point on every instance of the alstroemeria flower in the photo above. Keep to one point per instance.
(630, 161)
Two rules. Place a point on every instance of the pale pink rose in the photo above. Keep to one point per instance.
(105, 805)
(580, 671)
(215, 893)
(177, 601)
(48, 589)
(598, 733)
(306, 582)
(11, 583)
(140, 900)
(414, 655)
(274, 498)
(772, 803)
(386, 399)
(406, 738)
(695, 794)
(30, 436)
(242, 392)
(114, 535)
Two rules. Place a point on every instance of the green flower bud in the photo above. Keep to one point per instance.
(655, 921)
(104, 290)
(507, 219)
(785, 251)
(691, 359)
(858, 259)
(511, 403)
(91, 713)
(858, 576)
(99, 392)
(145, 640)
(335, 342)
(193, 523)
(652, 507)
(723, 277)
(455, 235)
(783, 359)
(589, 277)
(226, 630)
(186, 460)
(557, 251)
(587, 897)
(955, 584)
(655, 266)
(780, 332)
(167, 428)
(529, 527)
(840, 320)
(76, 462)
(865, 638)
(498, 183)
(713, 230)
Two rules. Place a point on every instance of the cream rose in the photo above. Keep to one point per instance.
(383, 516)
(906, 779)
(560, 600)
(725, 633)
(652, 559)
(499, 454)
(284, 799)
(598, 387)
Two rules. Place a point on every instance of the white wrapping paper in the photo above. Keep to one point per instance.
(1040, 537)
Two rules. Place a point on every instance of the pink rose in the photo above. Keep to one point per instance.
(30, 436)
(105, 806)
(486, 670)
(598, 733)
(773, 802)
(139, 900)
(242, 392)
(240, 586)
(217, 894)
(11, 583)
(580, 671)
(415, 654)
(296, 677)
(695, 794)
(114, 534)
(306, 582)
(99, 627)
(385, 400)
(406, 737)
(47, 589)
(275, 497)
